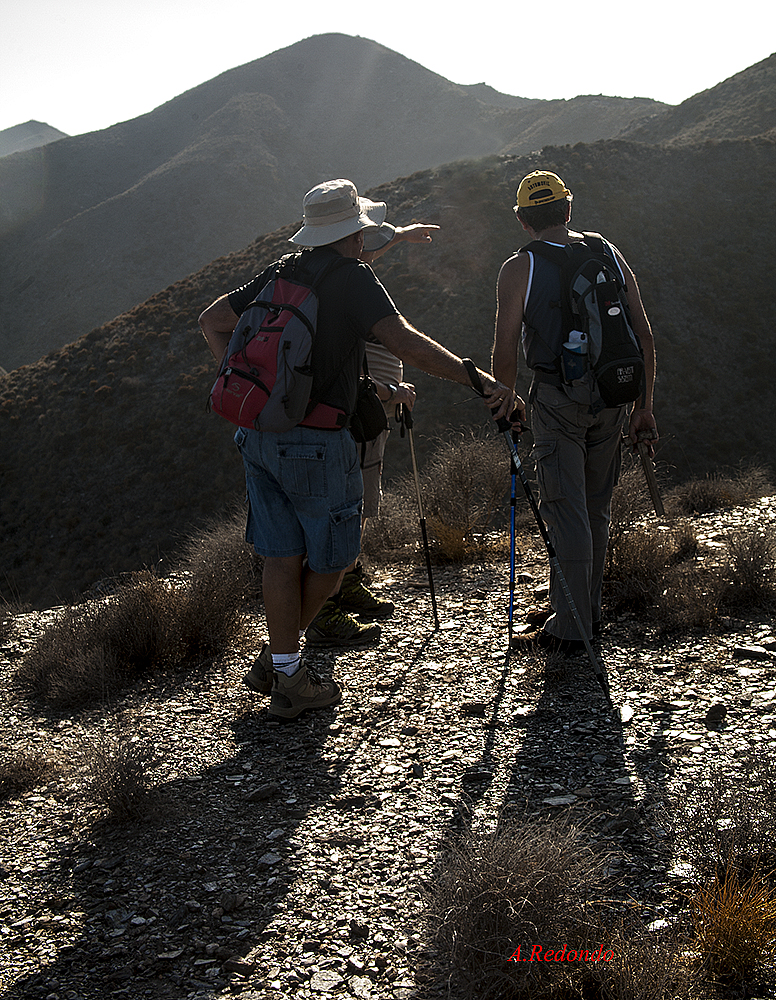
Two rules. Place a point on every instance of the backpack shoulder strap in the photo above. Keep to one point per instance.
(555, 254)
(597, 244)
(298, 265)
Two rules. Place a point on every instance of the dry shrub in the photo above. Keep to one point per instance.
(464, 491)
(646, 964)
(148, 626)
(23, 771)
(728, 822)
(530, 882)
(734, 922)
(721, 490)
(690, 599)
(220, 572)
(638, 559)
(95, 648)
(117, 770)
(751, 568)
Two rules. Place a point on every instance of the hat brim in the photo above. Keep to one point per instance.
(376, 239)
(371, 216)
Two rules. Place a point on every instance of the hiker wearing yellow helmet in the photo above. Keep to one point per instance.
(576, 437)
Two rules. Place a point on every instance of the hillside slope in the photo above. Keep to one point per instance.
(108, 457)
(742, 106)
(94, 224)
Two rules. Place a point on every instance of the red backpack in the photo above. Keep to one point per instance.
(266, 376)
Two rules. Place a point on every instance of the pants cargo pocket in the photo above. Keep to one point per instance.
(547, 459)
(345, 533)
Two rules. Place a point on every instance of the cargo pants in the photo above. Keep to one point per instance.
(577, 457)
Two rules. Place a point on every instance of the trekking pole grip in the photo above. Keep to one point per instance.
(502, 423)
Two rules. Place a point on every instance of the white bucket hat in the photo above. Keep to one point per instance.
(376, 239)
(333, 210)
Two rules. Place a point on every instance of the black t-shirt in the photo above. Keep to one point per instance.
(350, 301)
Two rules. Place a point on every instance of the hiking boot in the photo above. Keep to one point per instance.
(304, 690)
(550, 643)
(332, 627)
(356, 598)
(539, 615)
(259, 677)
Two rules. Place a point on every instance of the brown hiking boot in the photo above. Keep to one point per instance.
(332, 627)
(357, 599)
(259, 677)
(305, 690)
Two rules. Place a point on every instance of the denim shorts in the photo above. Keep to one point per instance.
(304, 494)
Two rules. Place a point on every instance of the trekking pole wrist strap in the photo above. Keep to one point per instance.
(474, 377)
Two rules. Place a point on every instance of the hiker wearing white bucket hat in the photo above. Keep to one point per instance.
(305, 485)
(334, 210)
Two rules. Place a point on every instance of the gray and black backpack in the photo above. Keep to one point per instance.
(597, 332)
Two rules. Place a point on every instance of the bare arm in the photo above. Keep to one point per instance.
(217, 323)
(416, 233)
(415, 348)
(642, 420)
(510, 296)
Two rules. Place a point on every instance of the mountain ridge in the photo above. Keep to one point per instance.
(108, 218)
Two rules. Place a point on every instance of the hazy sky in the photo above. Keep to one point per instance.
(81, 65)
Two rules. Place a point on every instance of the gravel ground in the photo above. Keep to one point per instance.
(292, 860)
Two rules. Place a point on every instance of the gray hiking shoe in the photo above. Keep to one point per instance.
(259, 677)
(305, 690)
(356, 598)
(332, 627)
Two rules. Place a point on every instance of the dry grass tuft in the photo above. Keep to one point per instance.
(24, 771)
(727, 823)
(751, 568)
(721, 490)
(734, 922)
(117, 770)
(465, 493)
(531, 882)
(646, 964)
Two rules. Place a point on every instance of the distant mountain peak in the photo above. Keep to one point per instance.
(28, 135)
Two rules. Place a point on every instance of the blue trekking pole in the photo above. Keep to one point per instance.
(512, 552)
(505, 427)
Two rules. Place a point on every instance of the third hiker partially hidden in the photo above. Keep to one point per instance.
(304, 484)
(576, 436)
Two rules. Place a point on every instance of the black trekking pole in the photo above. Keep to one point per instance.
(404, 415)
(505, 427)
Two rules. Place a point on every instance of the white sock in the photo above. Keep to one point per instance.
(286, 663)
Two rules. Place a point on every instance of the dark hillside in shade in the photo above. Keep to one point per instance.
(108, 457)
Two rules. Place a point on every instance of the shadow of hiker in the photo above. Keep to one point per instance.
(177, 903)
(552, 748)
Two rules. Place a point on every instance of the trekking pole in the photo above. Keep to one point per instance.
(649, 472)
(512, 552)
(404, 415)
(505, 427)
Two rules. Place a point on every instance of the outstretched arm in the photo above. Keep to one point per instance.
(415, 348)
(416, 233)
